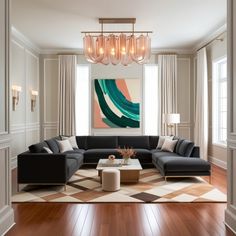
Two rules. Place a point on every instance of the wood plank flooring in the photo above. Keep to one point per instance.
(165, 219)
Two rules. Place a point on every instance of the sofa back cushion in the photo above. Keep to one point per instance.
(38, 147)
(134, 141)
(185, 148)
(98, 142)
(53, 145)
(153, 141)
(81, 142)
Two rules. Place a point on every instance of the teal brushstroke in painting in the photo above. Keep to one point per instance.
(109, 114)
(125, 106)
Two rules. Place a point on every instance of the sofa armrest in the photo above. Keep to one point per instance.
(195, 152)
(41, 168)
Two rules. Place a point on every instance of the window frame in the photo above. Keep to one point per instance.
(89, 94)
(217, 82)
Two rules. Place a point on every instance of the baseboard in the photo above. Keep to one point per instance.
(13, 162)
(230, 220)
(218, 162)
(6, 219)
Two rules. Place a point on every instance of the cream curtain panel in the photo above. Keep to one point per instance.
(167, 77)
(201, 113)
(67, 79)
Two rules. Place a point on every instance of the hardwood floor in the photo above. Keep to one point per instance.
(165, 219)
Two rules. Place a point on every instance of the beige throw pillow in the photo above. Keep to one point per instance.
(169, 145)
(72, 141)
(64, 145)
(162, 140)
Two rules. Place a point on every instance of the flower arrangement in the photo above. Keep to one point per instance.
(126, 152)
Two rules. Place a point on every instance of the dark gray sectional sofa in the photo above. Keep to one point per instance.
(37, 167)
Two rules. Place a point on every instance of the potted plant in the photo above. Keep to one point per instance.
(126, 154)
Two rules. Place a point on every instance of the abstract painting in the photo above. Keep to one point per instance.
(116, 103)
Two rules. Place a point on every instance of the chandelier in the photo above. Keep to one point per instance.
(116, 47)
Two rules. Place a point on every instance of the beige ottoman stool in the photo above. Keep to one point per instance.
(110, 180)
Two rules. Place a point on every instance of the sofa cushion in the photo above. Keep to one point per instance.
(75, 150)
(185, 148)
(144, 155)
(93, 155)
(71, 166)
(134, 141)
(81, 142)
(183, 164)
(97, 142)
(76, 156)
(178, 144)
(38, 147)
(52, 143)
(153, 141)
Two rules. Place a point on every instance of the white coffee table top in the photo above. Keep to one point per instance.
(133, 164)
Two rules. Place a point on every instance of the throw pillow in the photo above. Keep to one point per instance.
(162, 140)
(48, 150)
(72, 141)
(64, 145)
(169, 145)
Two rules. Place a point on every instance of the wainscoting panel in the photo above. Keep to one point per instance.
(24, 123)
(6, 211)
(184, 97)
(50, 90)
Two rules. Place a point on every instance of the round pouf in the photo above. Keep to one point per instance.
(110, 180)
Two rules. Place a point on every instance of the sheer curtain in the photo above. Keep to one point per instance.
(167, 77)
(67, 78)
(201, 113)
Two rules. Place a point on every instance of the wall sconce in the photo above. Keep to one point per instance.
(34, 94)
(15, 96)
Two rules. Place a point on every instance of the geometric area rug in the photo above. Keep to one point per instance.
(84, 186)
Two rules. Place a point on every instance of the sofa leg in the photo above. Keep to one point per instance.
(18, 187)
(165, 178)
(65, 187)
(209, 179)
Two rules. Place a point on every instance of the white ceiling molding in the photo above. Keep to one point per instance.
(62, 51)
(210, 37)
(172, 50)
(18, 35)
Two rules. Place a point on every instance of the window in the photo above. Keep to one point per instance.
(219, 103)
(150, 100)
(82, 103)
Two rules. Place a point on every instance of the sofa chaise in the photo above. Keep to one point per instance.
(37, 167)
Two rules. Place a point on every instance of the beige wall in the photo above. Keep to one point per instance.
(49, 86)
(24, 124)
(216, 50)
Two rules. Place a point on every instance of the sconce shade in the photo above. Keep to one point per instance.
(171, 118)
(16, 88)
(34, 93)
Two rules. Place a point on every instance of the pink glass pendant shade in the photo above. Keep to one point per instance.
(117, 49)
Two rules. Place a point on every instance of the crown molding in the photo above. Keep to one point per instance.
(18, 35)
(222, 29)
(57, 51)
(172, 50)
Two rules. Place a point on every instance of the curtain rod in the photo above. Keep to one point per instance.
(211, 41)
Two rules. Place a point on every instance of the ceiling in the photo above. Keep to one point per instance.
(177, 24)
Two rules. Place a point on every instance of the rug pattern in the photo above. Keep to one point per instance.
(84, 186)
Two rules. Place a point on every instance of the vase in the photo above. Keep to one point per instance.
(126, 161)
